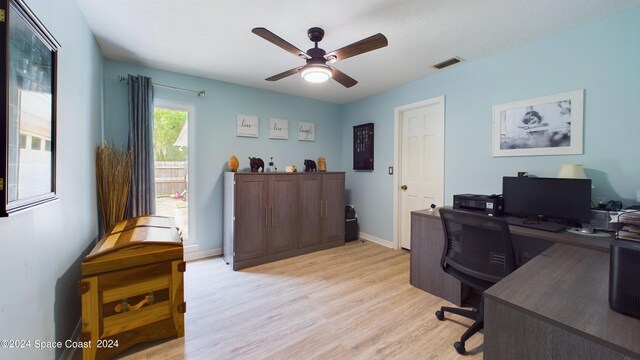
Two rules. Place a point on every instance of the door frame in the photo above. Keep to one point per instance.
(191, 244)
(397, 158)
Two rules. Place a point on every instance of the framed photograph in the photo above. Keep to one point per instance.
(279, 129)
(306, 131)
(549, 125)
(247, 125)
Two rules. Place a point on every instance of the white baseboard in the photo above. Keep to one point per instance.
(190, 247)
(376, 240)
(202, 254)
(69, 352)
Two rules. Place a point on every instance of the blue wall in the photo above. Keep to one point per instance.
(215, 129)
(41, 248)
(601, 57)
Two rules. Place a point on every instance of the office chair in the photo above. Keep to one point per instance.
(477, 251)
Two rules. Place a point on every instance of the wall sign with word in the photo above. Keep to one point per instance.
(278, 129)
(247, 125)
(306, 131)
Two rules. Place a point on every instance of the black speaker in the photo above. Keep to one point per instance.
(624, 277)
(349, 212)
(351, 230)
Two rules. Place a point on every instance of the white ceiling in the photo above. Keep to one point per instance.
(213, 39)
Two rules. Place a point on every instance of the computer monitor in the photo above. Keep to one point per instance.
(564, 200)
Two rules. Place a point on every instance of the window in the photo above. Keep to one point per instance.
(28, 97)
(35, 143)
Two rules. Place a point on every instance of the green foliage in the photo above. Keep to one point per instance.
(167, 125)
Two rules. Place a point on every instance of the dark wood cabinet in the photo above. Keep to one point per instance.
(282, 217)
(251, 217)
(333, 198)
(322, 208)
(311, 210)
(272, 216)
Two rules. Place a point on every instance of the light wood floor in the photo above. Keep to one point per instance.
(352, 302)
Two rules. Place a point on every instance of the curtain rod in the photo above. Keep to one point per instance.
(200, 93)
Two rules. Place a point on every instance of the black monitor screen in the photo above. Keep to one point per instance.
(554, 198)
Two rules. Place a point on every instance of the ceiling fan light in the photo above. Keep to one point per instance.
(316, 73)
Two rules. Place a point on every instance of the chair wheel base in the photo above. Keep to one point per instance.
(459, 347)
(440, 315)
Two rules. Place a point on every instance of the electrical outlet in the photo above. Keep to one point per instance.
(390, 170)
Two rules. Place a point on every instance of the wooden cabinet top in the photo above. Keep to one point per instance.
(285, 173)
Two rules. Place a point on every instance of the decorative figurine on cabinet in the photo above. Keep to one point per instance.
(255, 164)
(272, 165)
(233, 163)
(322, 164)
(310, 165)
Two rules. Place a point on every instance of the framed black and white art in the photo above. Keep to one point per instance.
(549, 125)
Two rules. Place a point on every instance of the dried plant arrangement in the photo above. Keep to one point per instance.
(113, 173)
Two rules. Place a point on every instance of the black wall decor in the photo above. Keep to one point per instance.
(363, 147)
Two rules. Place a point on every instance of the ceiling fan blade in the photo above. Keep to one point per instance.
(344, 79)
(373, 42)
(284, 74)
(277, 40)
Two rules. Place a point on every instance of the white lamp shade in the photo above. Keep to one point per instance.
(572, 171)
(316, 73)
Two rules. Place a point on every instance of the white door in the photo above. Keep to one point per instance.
(421, 181)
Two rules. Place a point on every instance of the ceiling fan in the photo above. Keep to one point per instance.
(318, 68)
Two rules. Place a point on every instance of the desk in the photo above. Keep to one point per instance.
(556, 306)
(427, 245)
(553, 306)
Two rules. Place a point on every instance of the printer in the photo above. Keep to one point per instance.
(491, 205)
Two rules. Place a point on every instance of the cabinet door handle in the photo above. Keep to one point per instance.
(320, 209)
(271, 215)
(326, 205)
(266, 216)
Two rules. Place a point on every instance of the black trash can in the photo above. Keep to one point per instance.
(351, 224)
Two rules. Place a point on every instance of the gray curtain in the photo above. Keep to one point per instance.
(142, 194)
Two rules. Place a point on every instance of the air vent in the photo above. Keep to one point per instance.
(449, 62)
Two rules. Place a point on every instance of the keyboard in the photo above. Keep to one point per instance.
(534, 224)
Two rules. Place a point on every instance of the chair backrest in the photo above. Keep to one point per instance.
(478, 249)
